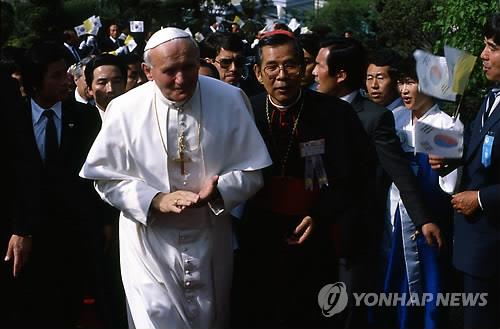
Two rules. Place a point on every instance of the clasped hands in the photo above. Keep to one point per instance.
(176, 202)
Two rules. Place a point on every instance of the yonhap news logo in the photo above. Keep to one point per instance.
(333, 299)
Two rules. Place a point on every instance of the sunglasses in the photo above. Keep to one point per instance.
(225, 63)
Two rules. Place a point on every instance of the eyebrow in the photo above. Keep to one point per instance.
(490, 43)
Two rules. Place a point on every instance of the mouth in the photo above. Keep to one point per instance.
(375, 94)
(406, 100)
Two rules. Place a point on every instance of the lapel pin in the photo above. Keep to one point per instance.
(71, 125)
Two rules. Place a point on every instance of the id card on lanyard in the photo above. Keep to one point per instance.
(487, 149)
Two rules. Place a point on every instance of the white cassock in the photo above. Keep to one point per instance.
(177, 268)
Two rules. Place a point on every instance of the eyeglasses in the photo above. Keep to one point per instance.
(225, 63)
(273, 70)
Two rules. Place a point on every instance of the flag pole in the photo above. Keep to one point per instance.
(457, 111)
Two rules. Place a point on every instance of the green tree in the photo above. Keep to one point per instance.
(341, 15)
(459, 24)
(400, 25)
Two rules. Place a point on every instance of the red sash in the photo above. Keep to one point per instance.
(288, 196)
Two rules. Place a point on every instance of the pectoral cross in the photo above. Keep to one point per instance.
(182, 156)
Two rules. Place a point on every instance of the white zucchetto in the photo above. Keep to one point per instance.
(165, 35)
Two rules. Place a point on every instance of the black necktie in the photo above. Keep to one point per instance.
(51, 143)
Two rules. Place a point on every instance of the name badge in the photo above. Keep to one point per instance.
(487, 148)
(311, 148)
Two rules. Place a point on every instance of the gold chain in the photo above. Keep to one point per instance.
(181, 140)
(290, 142)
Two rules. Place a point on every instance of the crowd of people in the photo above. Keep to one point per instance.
(218, 183)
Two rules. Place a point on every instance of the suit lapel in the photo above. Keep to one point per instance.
(68, 126)
(357, 103)
(476, 138)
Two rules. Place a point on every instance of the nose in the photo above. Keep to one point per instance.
(484, 54)
(179, 78)
(374, 84)
(233, 66)
(109, 87)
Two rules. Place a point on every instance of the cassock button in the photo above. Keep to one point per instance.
(185, 249)
(187, 272)
(188, 283)
(190, 300)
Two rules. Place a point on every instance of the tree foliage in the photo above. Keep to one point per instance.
(341, 15)
(400, 25)
(459, 24)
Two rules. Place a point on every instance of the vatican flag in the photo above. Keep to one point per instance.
(460, 65)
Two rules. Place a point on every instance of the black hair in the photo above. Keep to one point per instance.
(36, 63)
(228, 41)
(407, 69)
(278, 40)
(104, 59)
(492, 28)
(348, 55)
(310, 43)
(386, 57)
(131, 58)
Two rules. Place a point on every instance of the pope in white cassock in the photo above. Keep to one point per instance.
(175, 155)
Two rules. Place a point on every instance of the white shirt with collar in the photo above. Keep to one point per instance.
(350, 97)
(82, 100)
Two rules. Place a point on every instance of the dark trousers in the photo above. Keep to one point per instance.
(487, 316)
(358, 276)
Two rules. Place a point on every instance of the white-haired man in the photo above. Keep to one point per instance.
(175, 155)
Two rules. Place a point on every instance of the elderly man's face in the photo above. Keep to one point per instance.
(175, 68)
(280, 72)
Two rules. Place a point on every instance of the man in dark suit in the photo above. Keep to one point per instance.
(106, 77)
(286, 229)
(71, 45)
(53, 219)
(112, 41)
(340, 71)
(476, 249)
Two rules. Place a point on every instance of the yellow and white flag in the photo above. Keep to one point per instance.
(460, 65)
(238, 21)
(130, 43)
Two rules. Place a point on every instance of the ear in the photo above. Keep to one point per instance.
(147, 71)
(258, 73)
(341, 76)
